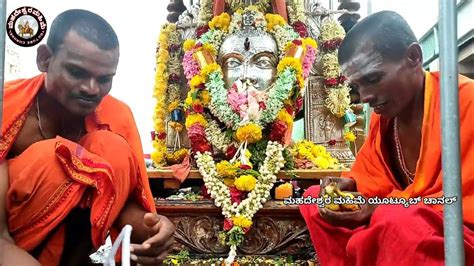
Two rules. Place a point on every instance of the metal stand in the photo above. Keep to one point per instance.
(453, 221)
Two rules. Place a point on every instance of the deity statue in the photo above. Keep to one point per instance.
(249, 55)
(231, 82)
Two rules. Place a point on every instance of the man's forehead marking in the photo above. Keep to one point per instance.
(364, 62)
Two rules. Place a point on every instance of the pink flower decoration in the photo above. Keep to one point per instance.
(297, 42)
(245, 167)
(308, 60)
(298, 103)
(300, 27)
(253, 111)
(190, 66)
(231, 151)
(236, 100)
(196, 132)
(332, 44)
(204, 192)
(331, 82)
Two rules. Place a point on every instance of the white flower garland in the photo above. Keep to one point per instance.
(296, 11)
(205, 11)
(274, 161)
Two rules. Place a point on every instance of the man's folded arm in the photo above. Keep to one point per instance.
(132, 214)
(10, 254)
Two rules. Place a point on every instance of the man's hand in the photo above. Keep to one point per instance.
(154, 249)
(348, 219)
(344, 184)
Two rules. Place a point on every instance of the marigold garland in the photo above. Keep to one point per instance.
(159, 93)
(250, 133)
(167, 91)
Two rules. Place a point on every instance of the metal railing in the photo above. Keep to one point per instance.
(453, 220)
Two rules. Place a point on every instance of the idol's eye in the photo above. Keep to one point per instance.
(264, 62)
(232, 63)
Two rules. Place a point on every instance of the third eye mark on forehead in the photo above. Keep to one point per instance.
(362, 64)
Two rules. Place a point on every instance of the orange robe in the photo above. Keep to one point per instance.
(395, 229)
(374, 177)
(53, 177)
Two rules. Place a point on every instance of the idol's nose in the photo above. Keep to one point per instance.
(248, 74)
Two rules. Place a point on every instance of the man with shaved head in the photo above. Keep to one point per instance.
(71, 162)
(400, 159)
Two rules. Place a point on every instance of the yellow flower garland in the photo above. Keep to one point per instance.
(195, 118)
(188, 44)
(274, 20)
(220, 22)
(159, 93)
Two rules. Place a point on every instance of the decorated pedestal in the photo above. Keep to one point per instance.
(278, 232)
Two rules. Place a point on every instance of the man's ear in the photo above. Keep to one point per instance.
(43, 56)
(414, 55)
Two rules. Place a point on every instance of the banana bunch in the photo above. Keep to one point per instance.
(332, 191)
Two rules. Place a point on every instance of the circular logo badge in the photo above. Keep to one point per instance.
(26, 26)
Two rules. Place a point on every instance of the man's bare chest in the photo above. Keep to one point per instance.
(28, 135)
(405, 150)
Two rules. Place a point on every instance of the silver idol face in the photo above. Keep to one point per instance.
(249, 55)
